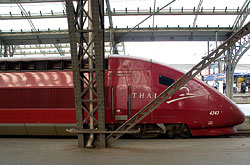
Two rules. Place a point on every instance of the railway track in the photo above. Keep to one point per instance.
(242, 133)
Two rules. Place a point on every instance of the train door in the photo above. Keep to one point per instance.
(120, 93)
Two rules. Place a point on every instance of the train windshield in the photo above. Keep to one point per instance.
(165, 80)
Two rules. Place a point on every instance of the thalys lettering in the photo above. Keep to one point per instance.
(144, 95)
(184, 94)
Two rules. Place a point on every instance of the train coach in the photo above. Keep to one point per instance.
(42, 102)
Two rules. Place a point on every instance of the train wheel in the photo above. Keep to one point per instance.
(148, 131)
(177, 131)
(172, 131)
(145, 136)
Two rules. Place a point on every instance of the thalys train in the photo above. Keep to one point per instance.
(42, 102)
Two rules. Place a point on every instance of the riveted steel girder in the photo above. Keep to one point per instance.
(241, 18)
(233, 56)
(88, 75)
(166, 12)
(122, 34)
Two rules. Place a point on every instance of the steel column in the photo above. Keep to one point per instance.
(229, 74)
(232, 59)
(88, 69)
(1, 50)
(209, 66)
(113, 46)
(5, 54)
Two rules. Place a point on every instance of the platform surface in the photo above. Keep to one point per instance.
(205, 151)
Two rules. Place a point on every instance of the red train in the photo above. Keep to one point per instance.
(42, 103)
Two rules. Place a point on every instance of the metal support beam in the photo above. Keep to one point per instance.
(219, 60)
(137, 25)
(153, 24)
(1, 50)
(26, 15)
(232, 59)
(197, 10)
(240, 49)
(88, 76)
(181, 11)
(59, 49)
(5, 54)
(12, 49)
(23, 11)
(126, 12)
(209, 66)
(7, 50)
(113, 45)
(240, 19)
(138, 34)
(166, 94)
(229, 74)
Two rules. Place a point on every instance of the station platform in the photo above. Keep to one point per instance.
(205, 151)
(242, 98)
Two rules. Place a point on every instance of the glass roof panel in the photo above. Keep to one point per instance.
(198, 49)
(124, 21)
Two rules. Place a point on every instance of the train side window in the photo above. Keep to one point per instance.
(165, 80)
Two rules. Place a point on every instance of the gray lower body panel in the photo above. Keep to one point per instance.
(35, 129)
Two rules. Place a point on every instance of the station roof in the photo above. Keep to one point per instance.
(183, 20)
(181, 13)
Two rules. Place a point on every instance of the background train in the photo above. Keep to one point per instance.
(42, 103)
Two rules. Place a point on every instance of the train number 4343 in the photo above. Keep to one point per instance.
(214, 113)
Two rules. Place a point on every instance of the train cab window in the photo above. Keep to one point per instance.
(165, 80)
(106, 64)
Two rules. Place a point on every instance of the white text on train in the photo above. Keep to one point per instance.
(144, 95)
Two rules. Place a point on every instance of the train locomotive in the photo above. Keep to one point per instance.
(42, 102)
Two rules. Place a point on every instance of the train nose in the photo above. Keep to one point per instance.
(235, 116)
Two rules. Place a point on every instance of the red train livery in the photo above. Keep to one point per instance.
(42, 103)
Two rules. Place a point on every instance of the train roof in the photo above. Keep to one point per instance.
(68, 57)
(34, 58)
